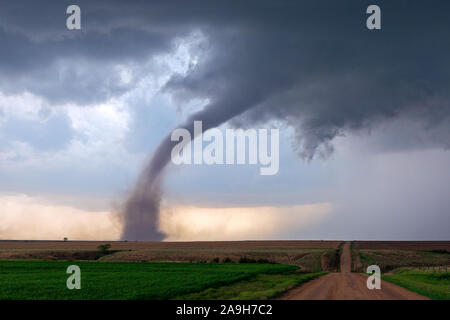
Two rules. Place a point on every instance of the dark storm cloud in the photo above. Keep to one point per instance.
(311, 64)
(321, 71)
(38, 54)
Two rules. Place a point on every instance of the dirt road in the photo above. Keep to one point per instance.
(346, 258)
(348, 286)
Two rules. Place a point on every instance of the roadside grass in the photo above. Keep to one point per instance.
(331, 260)
(435, 285)
(123, 280)
(338, 255)
(259, 287)
(357, 265)
(310, 262)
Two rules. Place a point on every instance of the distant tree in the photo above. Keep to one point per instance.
(104, 247)
(65, 239)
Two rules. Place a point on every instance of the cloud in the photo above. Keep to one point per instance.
(386, 195)
(314, 66)
(53, 133)
(238, 223)
(79, 67)
(321, 72)
(25, 217)
(63, 148)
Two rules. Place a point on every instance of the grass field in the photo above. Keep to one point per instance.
(435, 285)
(129, 280)
(262, 286)
(389, 260)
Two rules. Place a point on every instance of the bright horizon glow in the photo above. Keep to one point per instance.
(31, 218)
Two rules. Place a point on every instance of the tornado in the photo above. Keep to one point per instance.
(140, 212)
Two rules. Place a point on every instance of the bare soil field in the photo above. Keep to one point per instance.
(310, 256)
(309, 260)
(24, 254)
(402, 245)
(132, 245)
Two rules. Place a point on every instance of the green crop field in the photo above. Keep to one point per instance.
(262, 286)
(435, 285)
(130, 280)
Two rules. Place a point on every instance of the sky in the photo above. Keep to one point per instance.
(364, 118)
